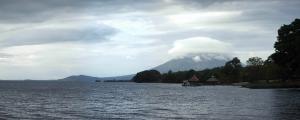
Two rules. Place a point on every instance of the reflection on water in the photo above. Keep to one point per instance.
(75, 100)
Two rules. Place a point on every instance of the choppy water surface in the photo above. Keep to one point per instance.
(75, 100)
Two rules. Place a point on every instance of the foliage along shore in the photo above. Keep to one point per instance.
(283, 65)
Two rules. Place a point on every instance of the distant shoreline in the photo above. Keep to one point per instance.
(272, 85)
(263, 85)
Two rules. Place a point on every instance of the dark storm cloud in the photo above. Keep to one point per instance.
(265, 11)
(18, 11)
(269, 14)
(266, 16)
(41, 10)
(53, 35)
(25, 15)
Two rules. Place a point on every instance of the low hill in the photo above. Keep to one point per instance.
(80, 78)
(91, 78)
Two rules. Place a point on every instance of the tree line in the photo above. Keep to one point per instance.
(283, 64)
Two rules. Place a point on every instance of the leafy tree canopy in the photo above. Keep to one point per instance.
(255, 61)
(147, 76)
(287, 49)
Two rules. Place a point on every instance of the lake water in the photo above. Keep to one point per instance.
(78, 100)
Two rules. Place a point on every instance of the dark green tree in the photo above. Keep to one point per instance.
(190, 73)
(254, 69)
(271, 70)
(169, 77)
(255, 61)
(232, 70)
(287, 53)
(147, 76)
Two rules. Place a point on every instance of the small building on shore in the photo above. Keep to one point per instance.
(212, 80)
(193, 81)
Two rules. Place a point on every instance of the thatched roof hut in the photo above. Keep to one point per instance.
(212, 80)
(194, 78)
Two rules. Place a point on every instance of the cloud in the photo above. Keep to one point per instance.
(32, 11)
(198, 45)
(45, 35)
(245, 55)
(4, 57)
(202, 17)
(197, 59)
(53, 61)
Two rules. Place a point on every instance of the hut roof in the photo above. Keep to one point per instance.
(194, 78)
(212, 79)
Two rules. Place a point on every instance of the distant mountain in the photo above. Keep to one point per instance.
(196, 62)
(90, 78)
(80, 78)
(124, 77)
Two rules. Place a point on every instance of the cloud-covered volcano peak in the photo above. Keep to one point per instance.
(196, 62)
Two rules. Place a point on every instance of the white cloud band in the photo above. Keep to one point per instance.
(198, 45)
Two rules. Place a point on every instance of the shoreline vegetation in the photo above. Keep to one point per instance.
(280, 70)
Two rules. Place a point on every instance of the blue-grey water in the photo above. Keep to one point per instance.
(91, 100)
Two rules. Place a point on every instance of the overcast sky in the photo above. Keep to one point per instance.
(50, 39)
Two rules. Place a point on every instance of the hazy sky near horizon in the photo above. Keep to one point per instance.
(50, 39)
